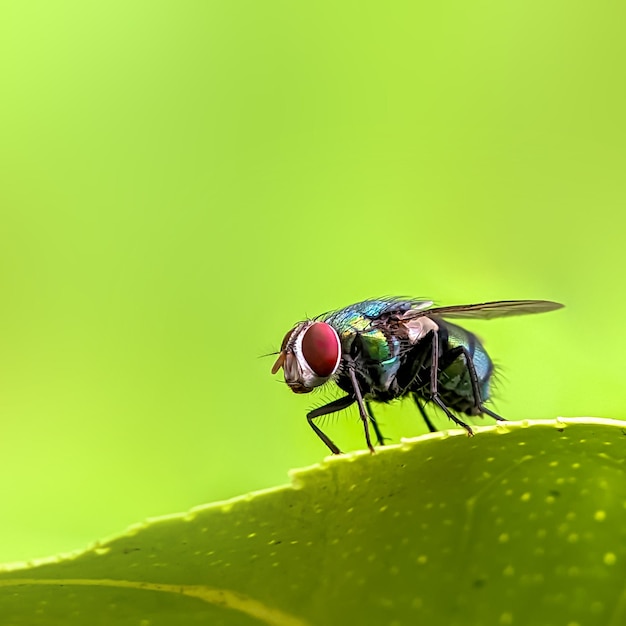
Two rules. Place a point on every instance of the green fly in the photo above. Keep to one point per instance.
(384, 349)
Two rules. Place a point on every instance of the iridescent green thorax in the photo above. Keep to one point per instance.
(357, 320)
(381, 350)
(358, 317)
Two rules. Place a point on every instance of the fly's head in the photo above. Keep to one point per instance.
(310, 354)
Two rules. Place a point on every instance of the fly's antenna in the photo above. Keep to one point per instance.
(262, 356)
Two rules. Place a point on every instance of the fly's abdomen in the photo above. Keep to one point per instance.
(455, 382)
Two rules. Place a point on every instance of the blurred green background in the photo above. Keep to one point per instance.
(183, 181)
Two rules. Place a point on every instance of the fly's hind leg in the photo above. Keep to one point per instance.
(484, 409)
(478, 402)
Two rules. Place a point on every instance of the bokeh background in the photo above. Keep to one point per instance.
(181, 182)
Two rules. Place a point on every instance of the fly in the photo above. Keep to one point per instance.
(384, 349)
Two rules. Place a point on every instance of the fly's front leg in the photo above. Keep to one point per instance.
(365, 418)
(422, 410)
(379, 436)
(331, 407)
(434, 383)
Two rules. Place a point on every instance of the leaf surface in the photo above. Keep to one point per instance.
(521, 524)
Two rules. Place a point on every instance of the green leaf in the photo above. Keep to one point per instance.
(522, 524)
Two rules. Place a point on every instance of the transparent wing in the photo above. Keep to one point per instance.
(487, 310)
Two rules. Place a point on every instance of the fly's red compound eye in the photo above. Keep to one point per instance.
(321, 348)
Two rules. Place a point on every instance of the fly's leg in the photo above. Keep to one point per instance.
(365, 418)
(379, 436)
(471, 368)
(484, 409)
(422, 410)
(434, 393)
(331, 407)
